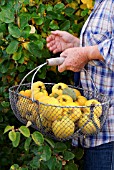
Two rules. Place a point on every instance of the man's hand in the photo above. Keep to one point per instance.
(58, 41)
(76, 58)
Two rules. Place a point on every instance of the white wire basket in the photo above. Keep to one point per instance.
(57, 121)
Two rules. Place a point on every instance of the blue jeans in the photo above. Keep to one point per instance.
(99, 157)
(77, 78)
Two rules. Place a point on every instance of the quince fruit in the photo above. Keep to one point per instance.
(44, 98)
(32, 112)
(63, 128)
(37, 94)
(77, 92)
(58, 88)
(72, 111)
(63, 99)
(26, 93)
(22, 105)
(50, 108)
(89, 123)
(42, 121)
(53, 95)
(97, 107)
(38, 85)
(81, 100)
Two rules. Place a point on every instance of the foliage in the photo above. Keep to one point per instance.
(24, 26)
(39, 152)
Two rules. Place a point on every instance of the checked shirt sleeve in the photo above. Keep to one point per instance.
(106, 49)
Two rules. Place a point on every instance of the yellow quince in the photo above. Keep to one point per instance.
(22, 106)
(96, 107)
(50, 108)
(72, 111)
(38, 85)
(42, 121)
(77, 92)
(26, 93)
(58, 88)
(63, 128)
(37, 94)
(89, 123)
(81, 100)
(63, 99)
(32, 112)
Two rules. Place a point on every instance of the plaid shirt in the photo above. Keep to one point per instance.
(99, 29)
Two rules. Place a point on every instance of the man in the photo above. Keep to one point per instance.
(94, 51)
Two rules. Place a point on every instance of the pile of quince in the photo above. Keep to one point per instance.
(62, 111)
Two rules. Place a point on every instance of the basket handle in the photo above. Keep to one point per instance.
(50, 62)
(36, 68)
(59, 60)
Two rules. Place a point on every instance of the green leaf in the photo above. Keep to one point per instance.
(69, 1)
(51, 163)
(26, 32)
(60, 16)
(22, 68)
(79, 152)
(46, 154)
(51, 15)
(41, 8)
(85, 12)
(69, 11)
(5, 104)
(4, 66)
(17, 55)
(7, 128)
(50, 142)
(14, 167)
(71, 166)
(26, 2)
(68, 155)
(7, 16)
(25, 131)
(3, 27)
(59, 6)
(46, 54)
(53, 25)
(12, 47)
(49, 7)
(1, 119)
(1, 37)
(65, 25)
(2, 2)
(35, 163)
(14, 31)
(27, 143)
(58, 165)
(33, 49)
(60, 147)
(40, 44)
(38, 20)
(24, 18)
(16, 142)
(12, 135)
(38, 138)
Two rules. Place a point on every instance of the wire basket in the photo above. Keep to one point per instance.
(57, 121)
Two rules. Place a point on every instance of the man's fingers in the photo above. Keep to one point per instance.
(50, 38)
(62, 67)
